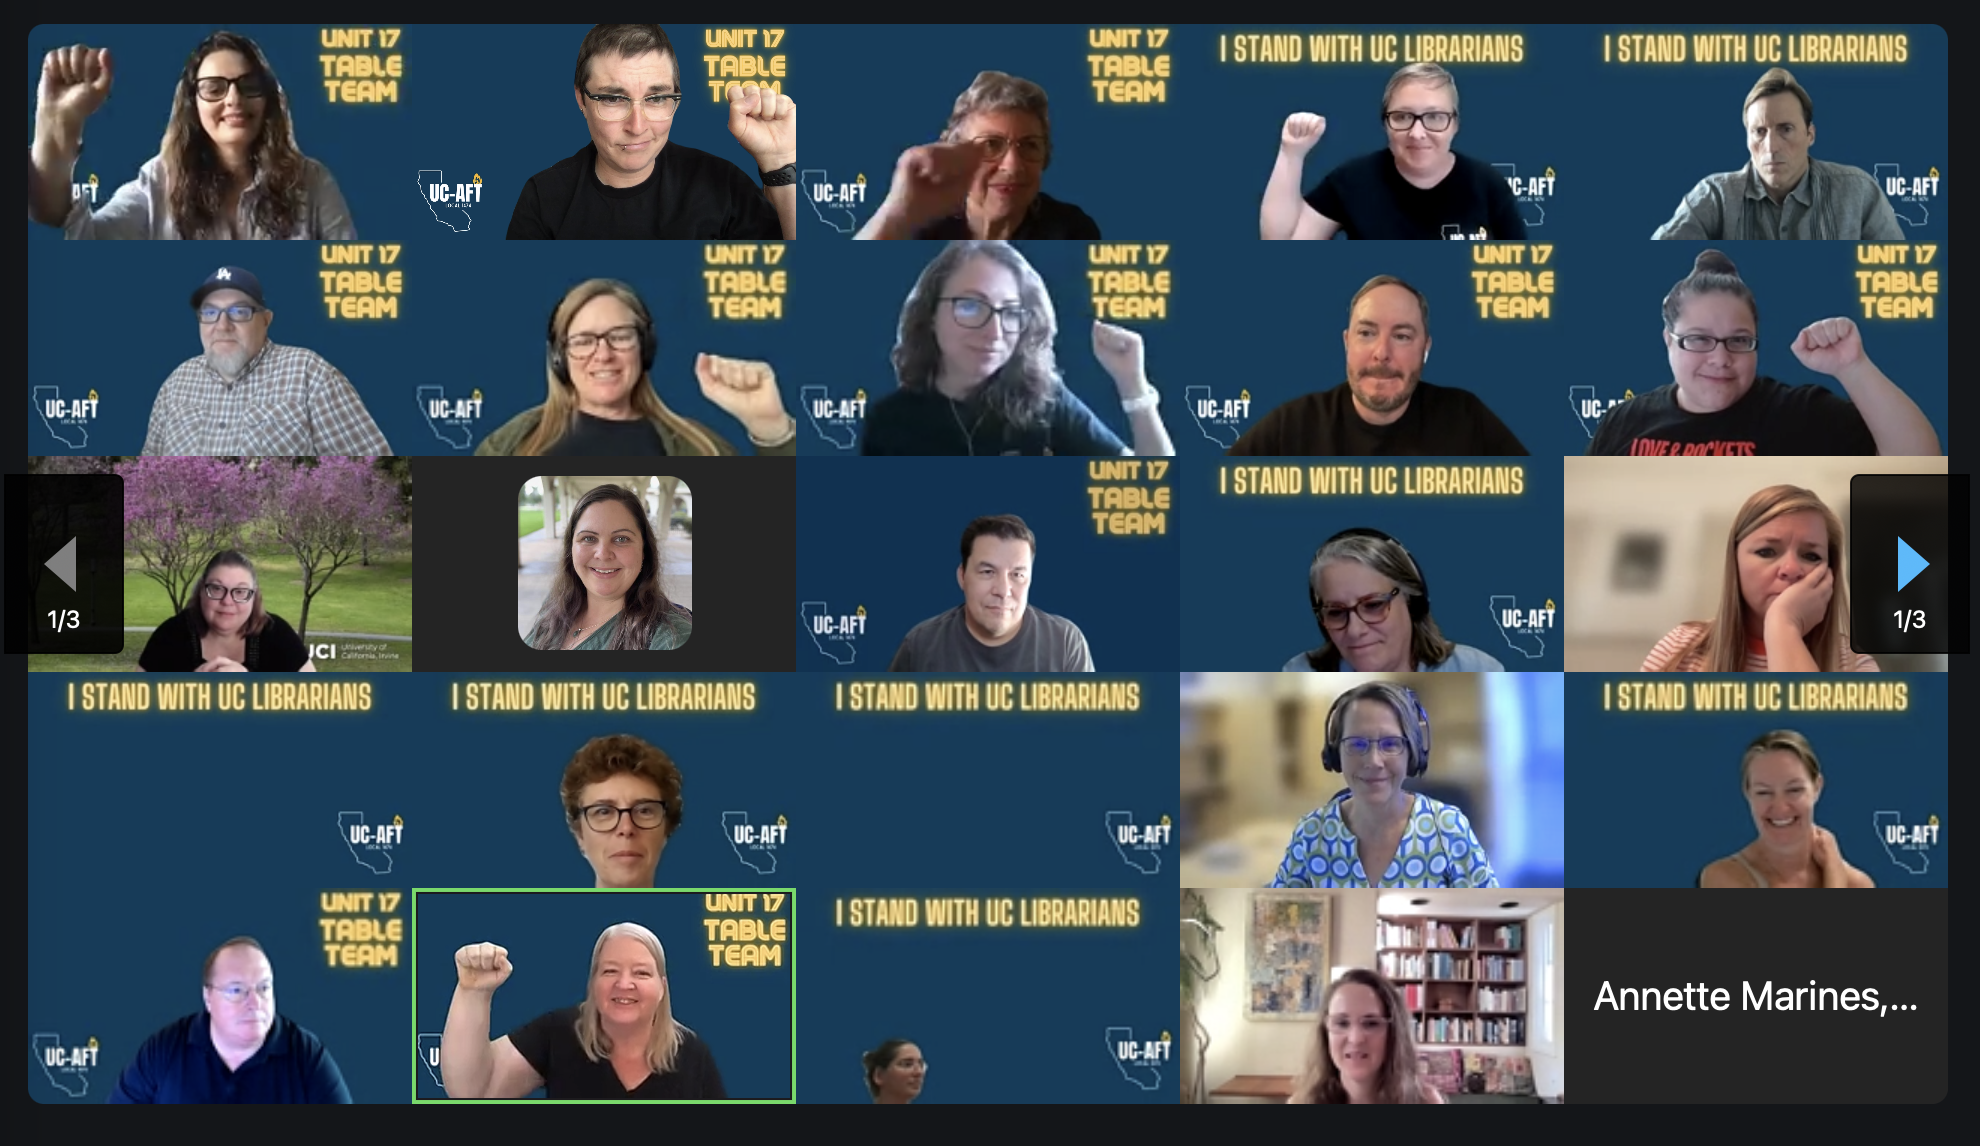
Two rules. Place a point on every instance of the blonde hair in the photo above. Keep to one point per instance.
(664, 1044)
(1722, 641)
(561, 403)
(1427, 74)
(1780, 740)
(1773, 82)
(1400, 1083)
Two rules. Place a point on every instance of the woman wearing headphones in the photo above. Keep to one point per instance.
(1354, 583)
(602, 402)
(1377, 735)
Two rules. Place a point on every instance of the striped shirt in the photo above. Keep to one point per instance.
(142, 209)
(1678, 652)
(288, 403)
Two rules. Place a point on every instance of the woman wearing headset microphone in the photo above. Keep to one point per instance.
(1377, 735)
(1354, 583)
(602, 402)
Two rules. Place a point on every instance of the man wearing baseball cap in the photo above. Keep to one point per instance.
(248, 395)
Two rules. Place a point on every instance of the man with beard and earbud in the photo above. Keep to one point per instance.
(247, 395)
(1384, 409)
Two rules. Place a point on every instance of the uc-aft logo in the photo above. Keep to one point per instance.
(1911, 195)
(66, 1065)
(1525, 629)
(1140, 840)
(1220, 415)
(449, 202)
(427, 1048)
(833, 203)
(67, 420)
(371, 844)
(836, 417)
(756, 840)
(1140, 1061)
(834, 634)
(1531, 192)
(451, 417)
(1910, 845)
(1588, 409)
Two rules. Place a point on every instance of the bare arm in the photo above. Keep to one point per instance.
(1285, 214)
(1899, 426)
(473, 1067)
(1724, 873)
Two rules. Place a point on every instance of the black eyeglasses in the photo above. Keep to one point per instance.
(974, 314)
(647, 814)
(1431, 120)
(215, 592)
(240, 312)
(213, 89)
(618, 338)
(1369, 609)
(1704, 343)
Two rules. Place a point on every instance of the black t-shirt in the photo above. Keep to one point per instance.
(1048, 218)
(549, 1044)
(690, 195)
(1440, 422)
(590, 437)
(926, 423)
(1370, 199)
(174, 647)
(1771, 419)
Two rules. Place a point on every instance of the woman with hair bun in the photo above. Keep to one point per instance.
(1719, 405)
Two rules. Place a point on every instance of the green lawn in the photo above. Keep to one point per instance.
(374, 598)
(528, 521)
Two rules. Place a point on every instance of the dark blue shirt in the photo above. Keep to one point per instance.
(179, 1065)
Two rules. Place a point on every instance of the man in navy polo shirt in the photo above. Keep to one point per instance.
(238, 1049)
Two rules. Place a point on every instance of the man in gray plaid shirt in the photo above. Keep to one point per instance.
(247, 395)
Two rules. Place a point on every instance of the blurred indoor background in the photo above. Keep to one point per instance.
(1643, 552)
(1251, 767)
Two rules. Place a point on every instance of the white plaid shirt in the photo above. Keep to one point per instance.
(289, 403)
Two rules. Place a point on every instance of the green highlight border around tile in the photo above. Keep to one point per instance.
(790, 951)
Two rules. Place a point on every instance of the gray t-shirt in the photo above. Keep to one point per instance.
(1044, 643)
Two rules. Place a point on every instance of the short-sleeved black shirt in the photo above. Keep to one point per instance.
(174, 647)
(690, 195)
(927, 423)
(1440, 422)
(1370, 199)
(1048, 218)
(1771, 419)
(549, 1044)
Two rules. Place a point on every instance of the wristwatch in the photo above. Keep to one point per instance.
(782, 177)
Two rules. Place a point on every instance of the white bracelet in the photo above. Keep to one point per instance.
(1148, 400)
(785, 440)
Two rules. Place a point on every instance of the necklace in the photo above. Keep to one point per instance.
(969, 432)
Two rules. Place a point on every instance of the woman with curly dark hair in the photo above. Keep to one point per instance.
(228, 167)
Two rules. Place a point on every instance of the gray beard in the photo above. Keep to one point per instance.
(229, 364)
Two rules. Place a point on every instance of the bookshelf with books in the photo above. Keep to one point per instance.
(1464, 980)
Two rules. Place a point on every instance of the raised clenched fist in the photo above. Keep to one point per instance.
(74, 82)
(1303, 129)
(482, 966)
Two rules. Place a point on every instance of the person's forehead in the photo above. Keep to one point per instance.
(601, 314)
(606, 515)
(226, 296)
(1418, 96)
(230, 575)
(907, 1051)
(1353, 577)
(1014, 122)
(240, 963)
(1389, 304)
(625, 951)
(1356, 999)
(633, 73)
(990, 549)
(621, 784)
(1781, 107)
(225, 62)
(1779, 766)
(1368, 711)
(983, 275)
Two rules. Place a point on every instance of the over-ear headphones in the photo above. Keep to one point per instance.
(1419, 604)
(642, 321)
(1416, 723)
